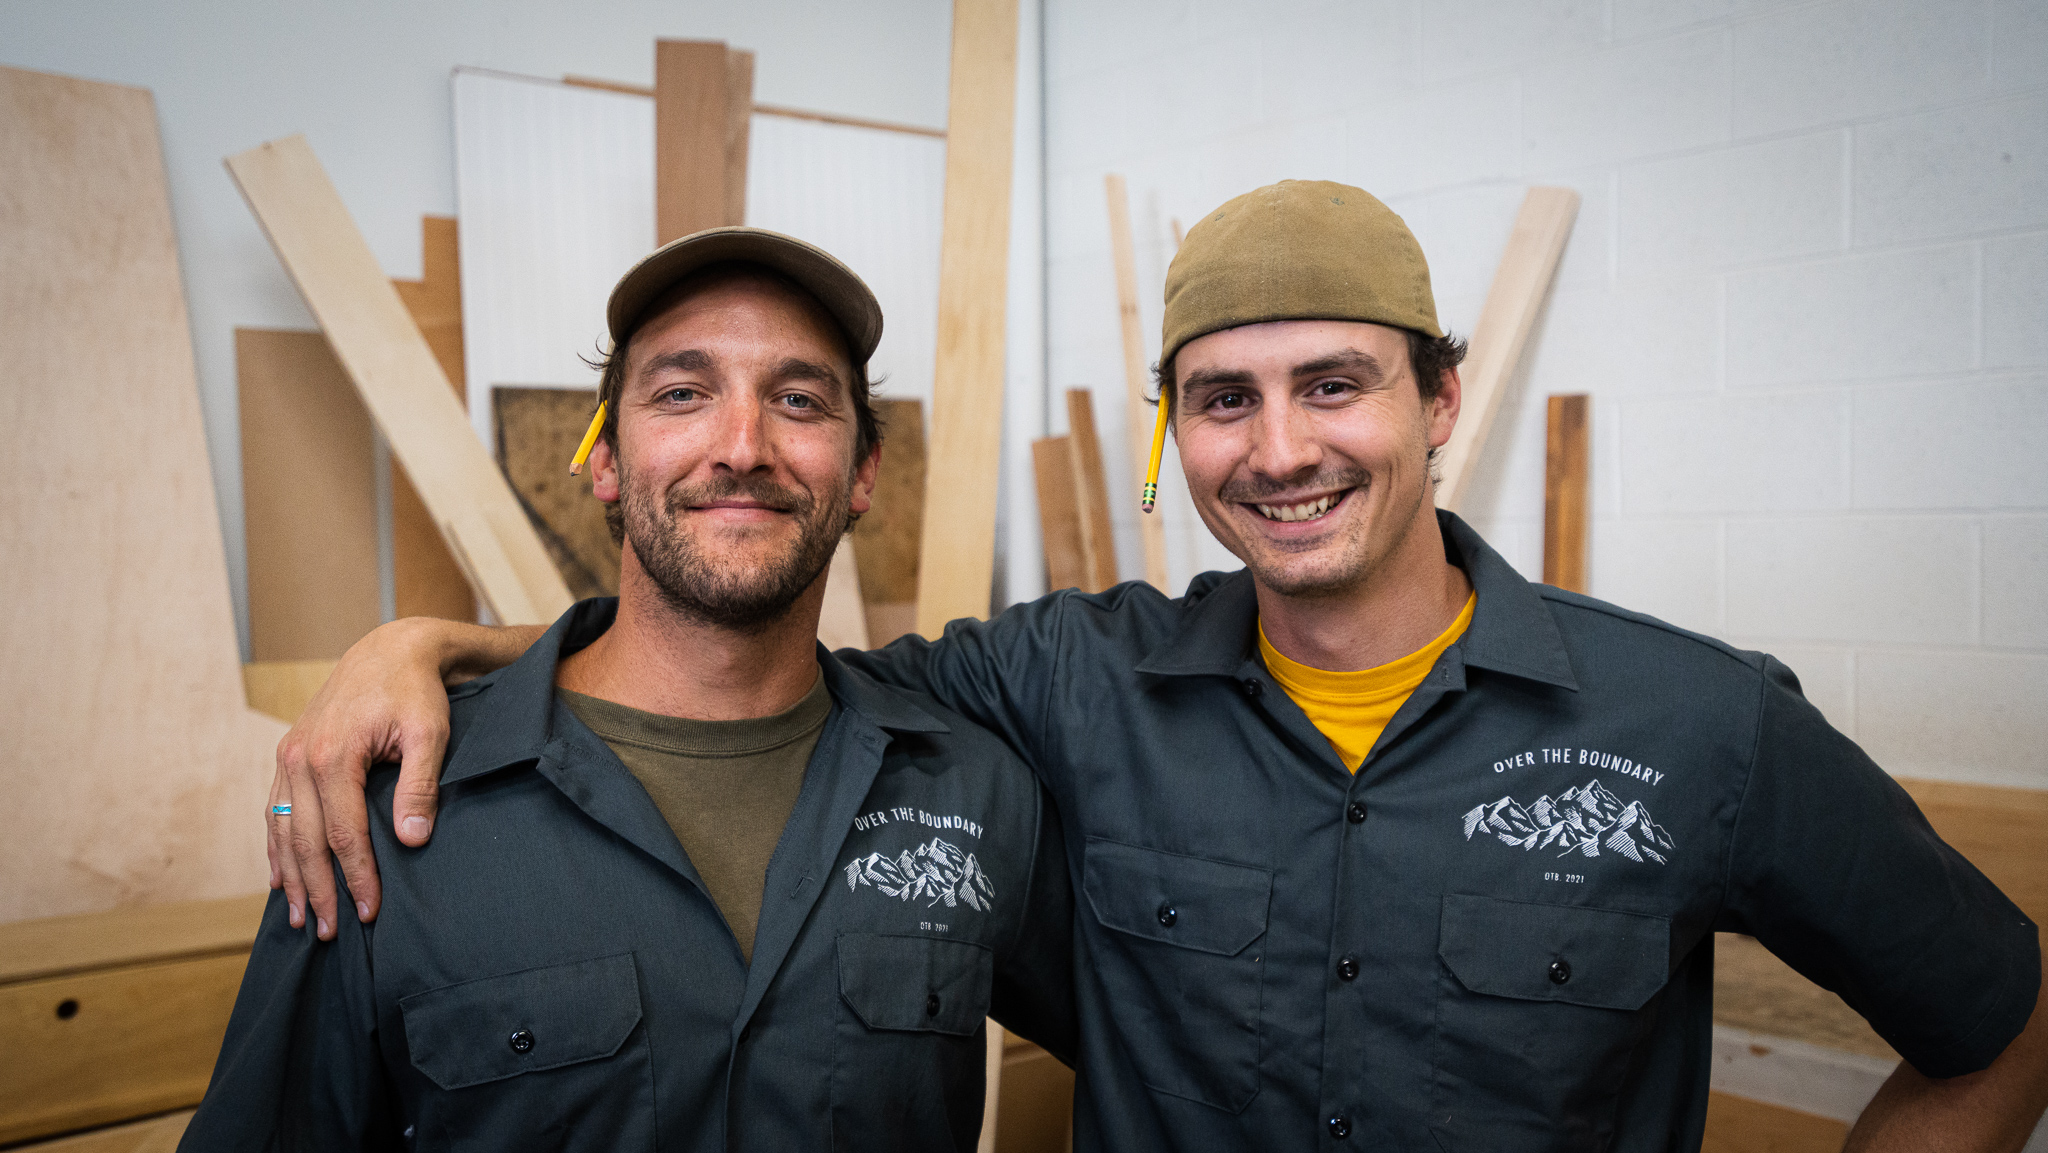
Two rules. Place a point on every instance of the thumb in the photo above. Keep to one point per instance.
(417, 797)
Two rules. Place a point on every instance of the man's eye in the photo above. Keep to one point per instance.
(1331, 387)
(1231, 400)
(679, 395)
(798, 400)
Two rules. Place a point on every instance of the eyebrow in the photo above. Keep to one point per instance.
(687, 360)
(1349, 360)
(796, 368)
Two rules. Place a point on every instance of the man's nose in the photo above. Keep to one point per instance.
(1283, 443)
(742, 439)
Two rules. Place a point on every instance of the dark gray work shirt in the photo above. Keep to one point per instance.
(549, 972)
(1498, 935)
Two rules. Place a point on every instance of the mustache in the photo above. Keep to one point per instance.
(1259, 489)
(754, 489)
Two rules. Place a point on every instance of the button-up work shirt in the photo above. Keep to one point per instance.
(549, 972)
(1498, 935)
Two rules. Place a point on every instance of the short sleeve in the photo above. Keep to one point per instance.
(1834, 869)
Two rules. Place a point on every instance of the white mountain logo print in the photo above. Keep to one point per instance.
(930, 873)
(1585, 820)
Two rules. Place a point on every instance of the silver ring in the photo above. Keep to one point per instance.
(280, 810)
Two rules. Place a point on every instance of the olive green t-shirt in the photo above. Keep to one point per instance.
(725, 787)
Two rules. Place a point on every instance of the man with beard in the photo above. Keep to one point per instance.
(697, 884)
(1378, 845)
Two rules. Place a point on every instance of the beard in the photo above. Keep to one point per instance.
(718, 590)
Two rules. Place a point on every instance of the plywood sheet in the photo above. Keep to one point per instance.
(1059, 513)
(538, 430)
(1564, 493)
(283, 689)
(308, 498)
(156, 1135)
(692, 133)
(133, 771)
(1138, 414)
(1520, 286)
(400, 382)
(1091, 493)
(54, 946)
(426, 580)
(957, 569)
(888, 533)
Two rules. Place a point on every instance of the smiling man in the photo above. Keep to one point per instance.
(697, 885)
(1377, 844)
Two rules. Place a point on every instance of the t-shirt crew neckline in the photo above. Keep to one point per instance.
(683, 736)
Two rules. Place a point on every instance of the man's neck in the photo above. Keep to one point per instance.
(658, 659)
(1405, 602)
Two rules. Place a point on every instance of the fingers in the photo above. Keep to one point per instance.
(308, 851)
(284, 865)
(348, 828)
(418, 798)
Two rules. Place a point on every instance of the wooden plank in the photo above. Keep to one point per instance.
(56, 946)
(1138, 414)
(739, 107)
(957, 566)
(156, 1135)
(1564, 493)
(1756, 992)
(132, 769)
(1059, 513)
(400, 382)
(283, 689)
(425, 578)
(1091, 493)
(888, 533)
(844, 622)
(309, 498)
(1520, 286)
(538, 430)
(112, 1044)
(1036, 1112)
(1737, 1125)
(691, 129)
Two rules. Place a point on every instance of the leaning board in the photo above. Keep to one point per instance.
(133, 771)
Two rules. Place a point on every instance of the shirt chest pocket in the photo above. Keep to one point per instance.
(1539, 1008)
(555, 1053)
(908, 1069)
(1182, 962)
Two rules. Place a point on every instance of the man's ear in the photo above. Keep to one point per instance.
(604, 471)
(864, 475)
(1443, 408)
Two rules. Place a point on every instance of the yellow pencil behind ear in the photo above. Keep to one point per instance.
(597, 426)
(1150, 495)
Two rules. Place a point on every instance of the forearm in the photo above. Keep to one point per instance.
(463, 650)
(1989, 1112)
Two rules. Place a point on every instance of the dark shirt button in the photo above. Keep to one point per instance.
(1168, 915)
(1253, 687)
(1560, 972)
(1355, 813)
(931, 1005)
(521, 1041)
(1348, 968)
(1340, 1126)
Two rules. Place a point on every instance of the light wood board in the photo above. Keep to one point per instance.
(425, 578)
(1520, 285)
(132, 769)
(1059, 513)
(957, 567)
(156, 1135)
(888, 532)
(1091, 493)
(739, 106)
(283, 689)
(1139, 416)
(1738, 1125)
(1036, 1112)
(844, 622)
(693, 82)
(309, 498)
(400, 381)
(55, 946)
(538, 430)
(1564, 493)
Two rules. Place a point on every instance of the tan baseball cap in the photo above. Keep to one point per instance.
(843, 293)
(1297, 250)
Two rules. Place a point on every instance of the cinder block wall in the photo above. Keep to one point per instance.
(1808, 291)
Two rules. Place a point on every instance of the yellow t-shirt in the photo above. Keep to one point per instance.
(1352, 709)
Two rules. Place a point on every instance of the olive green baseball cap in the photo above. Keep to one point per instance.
(1297, 250)
(843, 293)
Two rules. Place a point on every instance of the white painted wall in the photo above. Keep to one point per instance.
(1808, 291)
(369, 85)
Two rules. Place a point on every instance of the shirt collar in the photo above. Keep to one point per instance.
(517, 721)
(1512, 630)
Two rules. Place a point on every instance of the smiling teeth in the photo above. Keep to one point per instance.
(1294, 512)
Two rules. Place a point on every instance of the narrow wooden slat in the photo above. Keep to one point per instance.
(691, 127)
(55, 946)
(283, 689)
(309, 510)
(739, 106)
(844, 622)
(1564, 493)
(396, 373)
(1059, 516)
(1138, 415)
(1519, 287)
(476, 547)
(112, 1044)
(425, 578)
(1091, 493)
(955, 573)
(156, 1135)
(768, 109)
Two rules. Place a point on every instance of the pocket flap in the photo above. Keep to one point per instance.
(1597, 957)
(916, 983)
(497, 1027)
(1211, 906)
